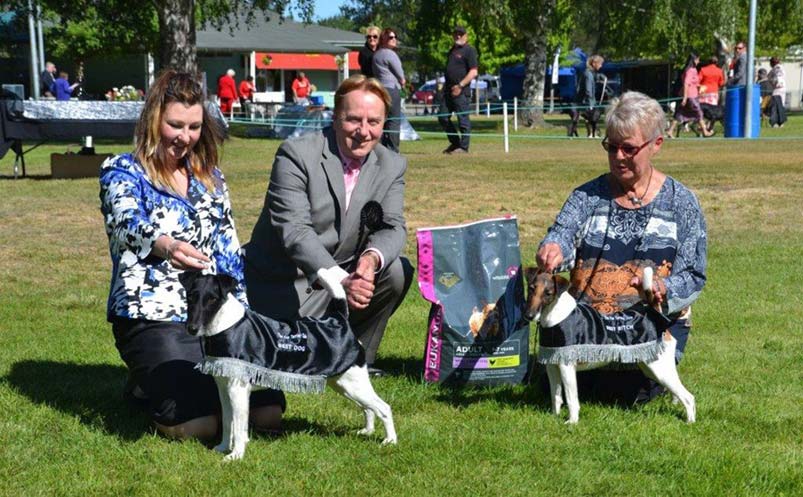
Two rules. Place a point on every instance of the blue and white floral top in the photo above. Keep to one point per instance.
(136, 213)
(605, 245)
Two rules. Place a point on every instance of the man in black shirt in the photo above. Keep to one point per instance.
(366, 55)
(461, 68)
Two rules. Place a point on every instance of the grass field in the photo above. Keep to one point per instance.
(64, 429)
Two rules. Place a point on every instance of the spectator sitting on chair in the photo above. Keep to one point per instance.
(62, 88)
(226, 91)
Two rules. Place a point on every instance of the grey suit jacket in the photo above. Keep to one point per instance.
(304, 224)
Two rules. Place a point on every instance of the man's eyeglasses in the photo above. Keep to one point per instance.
(627, 150)
(371, 37)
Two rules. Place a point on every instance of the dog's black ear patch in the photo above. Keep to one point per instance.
(227, 284)
(530, 273)
(187, 278)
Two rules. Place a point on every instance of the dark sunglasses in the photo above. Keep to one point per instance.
(392, 37)
(371, 37)
(627, 150)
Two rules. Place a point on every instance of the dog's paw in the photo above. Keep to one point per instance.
(331, 279)
(389, 441)
(365, 431)
(235, 455)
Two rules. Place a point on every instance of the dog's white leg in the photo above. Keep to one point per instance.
(239, 393)
(568, 376)
(555, 387)
(355, 384)
(370, 418)
(664, 371)
(225, 404)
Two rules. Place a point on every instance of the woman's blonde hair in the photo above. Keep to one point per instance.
(185, 88)
(634, 111)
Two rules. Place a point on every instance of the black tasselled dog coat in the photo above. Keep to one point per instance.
(586, 335)
(294, 356)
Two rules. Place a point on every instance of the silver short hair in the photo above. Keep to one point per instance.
(634, 111)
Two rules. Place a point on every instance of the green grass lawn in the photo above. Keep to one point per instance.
(64, 429)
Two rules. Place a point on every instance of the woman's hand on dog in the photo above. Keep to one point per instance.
(359, 285)
(549, 257)
(180, 255)
(658, 290)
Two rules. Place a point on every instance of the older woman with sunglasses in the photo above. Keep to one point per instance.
(633, 216)
(366, 55)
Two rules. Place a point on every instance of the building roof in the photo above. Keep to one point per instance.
(271, 35)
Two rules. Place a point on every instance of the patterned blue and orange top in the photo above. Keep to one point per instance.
(136, 213)
(605, 245)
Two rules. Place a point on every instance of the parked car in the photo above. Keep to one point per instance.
(426, 93)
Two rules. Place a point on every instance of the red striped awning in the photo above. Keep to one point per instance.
(301, 61)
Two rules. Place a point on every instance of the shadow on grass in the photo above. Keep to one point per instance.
(90, 392)
(35, 177)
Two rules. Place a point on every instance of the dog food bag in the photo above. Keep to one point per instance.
(471, 274)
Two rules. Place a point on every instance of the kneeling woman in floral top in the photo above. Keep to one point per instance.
(634, 216)
(166, 209)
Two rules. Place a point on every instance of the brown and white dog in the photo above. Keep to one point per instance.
(549, 303)
(212, 310)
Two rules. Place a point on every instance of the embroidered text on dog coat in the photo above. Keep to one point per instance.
(294, 356)
(586, 335)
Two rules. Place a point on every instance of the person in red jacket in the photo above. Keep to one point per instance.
(247, 89)
(712, 78)
(226, 91)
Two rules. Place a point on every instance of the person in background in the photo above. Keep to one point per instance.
(301, 89)
(711, 80)
(739, 66)
(366, 54)
(630, 217)
(586, 98)
(226, 91)
(62, 88)
(319, 184)
(388, 70)
(247, 89)
(46, 80)
(461, 69)
(777, 79)
(765, 87)
(166, 210)
(688, 109)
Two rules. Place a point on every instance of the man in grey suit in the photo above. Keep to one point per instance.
(311, 218)
(739, 77)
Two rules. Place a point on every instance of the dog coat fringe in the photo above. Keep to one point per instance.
(263, 377)
(586, 335)
(572, 354)
(294, 356)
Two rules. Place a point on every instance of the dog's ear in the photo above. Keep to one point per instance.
(530, 273)
(227, 284)
(187, 278)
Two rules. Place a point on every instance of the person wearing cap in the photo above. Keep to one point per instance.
(461, 69)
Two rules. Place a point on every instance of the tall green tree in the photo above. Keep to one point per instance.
(167, 27)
